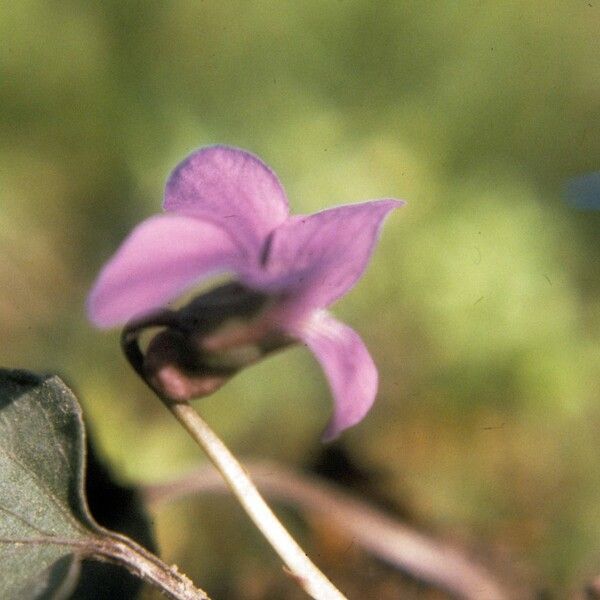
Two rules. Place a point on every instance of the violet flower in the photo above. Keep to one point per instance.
(226, 212)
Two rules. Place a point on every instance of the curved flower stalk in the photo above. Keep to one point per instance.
(226, 212)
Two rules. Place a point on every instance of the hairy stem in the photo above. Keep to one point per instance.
(143, 564)
(302, 569)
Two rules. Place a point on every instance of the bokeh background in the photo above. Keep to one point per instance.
(481, 306)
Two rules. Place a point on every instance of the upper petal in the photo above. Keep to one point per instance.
(349, 368)
(231, 187)
(162, 257)
(316, 259)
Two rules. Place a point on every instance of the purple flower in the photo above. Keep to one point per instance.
(226, 212)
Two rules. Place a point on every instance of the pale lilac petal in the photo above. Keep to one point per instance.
(161, 258)
(316, 259)
(231, 187)
(349, 368)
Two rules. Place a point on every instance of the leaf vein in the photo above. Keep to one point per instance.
(54, 540)
(24, 520)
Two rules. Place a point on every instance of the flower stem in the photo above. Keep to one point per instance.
(308, 576)
(300, 567)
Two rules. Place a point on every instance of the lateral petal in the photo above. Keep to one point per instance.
(159, 260)
(316, 259)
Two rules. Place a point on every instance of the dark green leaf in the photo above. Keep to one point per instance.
(44, 522)
(45, 525)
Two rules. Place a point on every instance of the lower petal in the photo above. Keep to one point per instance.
(348, 366)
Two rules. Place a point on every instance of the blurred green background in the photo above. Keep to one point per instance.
(481, 306)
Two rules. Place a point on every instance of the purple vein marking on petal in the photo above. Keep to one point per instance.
(266, 249)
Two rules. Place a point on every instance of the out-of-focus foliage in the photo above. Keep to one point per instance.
(482, 305)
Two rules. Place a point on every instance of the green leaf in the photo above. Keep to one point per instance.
(44, 522)
(45, 525)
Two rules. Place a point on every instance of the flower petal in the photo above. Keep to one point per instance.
(232, 188)
(162, 257)
(349, 368)
(316, 259)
